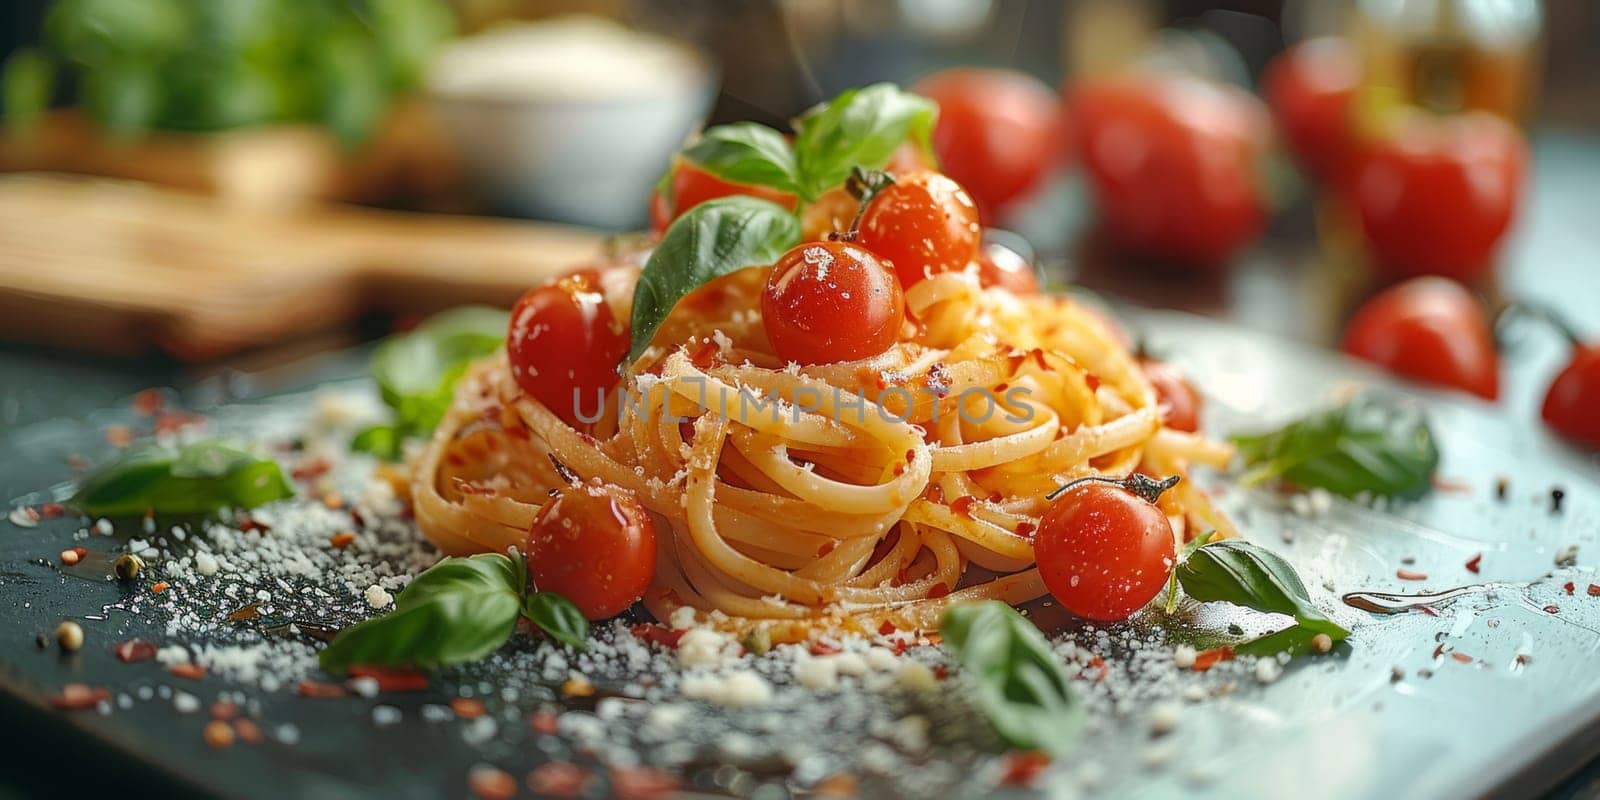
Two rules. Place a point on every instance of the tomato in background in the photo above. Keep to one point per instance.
(1001, 267)
(692, 186)
(564, 344)
(1174, 392)
(1430, 330)
(1572, 404)
(1310, 87)
(1172, 161)
(1000, 132)
(923, 224)
(1437, 194)
(1103, 552)
(831, 301)
(594, 545)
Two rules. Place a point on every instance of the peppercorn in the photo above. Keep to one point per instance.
(69, 635)
(127, 567)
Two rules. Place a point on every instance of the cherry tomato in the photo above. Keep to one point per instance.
(1103, 552)
(1431, 330)
(692, 186)
(1437, 196)
(1572, 406)
(1174, 392)
(1310, 86)
(564, 344)
(1002, 267)
(831, 301)
(1000, 132)
(923, 225)
(1172, 162)
(594, 545)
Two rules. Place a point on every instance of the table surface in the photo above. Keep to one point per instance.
(1285, 287)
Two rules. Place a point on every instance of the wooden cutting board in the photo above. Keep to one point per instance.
(124, 267)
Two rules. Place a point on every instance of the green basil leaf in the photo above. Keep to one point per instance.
(1238, 572)
(1367, 445)
(25, 87)
(384, 441)
(195, 479)
(417, 371)
(557, 616)
(861, 127)
(459, 610)
(748, 153)
(715, 238)
(1294, 640)
(1020, 684)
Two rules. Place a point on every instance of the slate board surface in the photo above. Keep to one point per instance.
(1338, 727)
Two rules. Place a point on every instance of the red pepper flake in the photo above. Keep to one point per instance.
(1429, 611)
(189, 670)
(488, 783)
(1022, 769)
(78, 696)
(657, 635)
(544, 722)
(1025, 529)
(392, 680)
(705, 355)
(119, 435)
(899, 647)
(1410, 575)
(310, 469)
(558, 779)
(342, 539)
(940, 672)
(642, 783)
(160, 586)
(218, 735)
(1522, 659)
(224, 710)
(1462, 657)
(1472, 563)
(1552, 609)
(174, 421)
(358, 520)
(148, 402)
(1570, 587)
(1092, 380)
(333, 501)
(320, 689)
(963, 506)
(1594, 590)
(1210, 658)
(248, 524)
(886, 628)
(821, 648)
(468, 707)
(839, 784)
(826, 548)
(1448, 485)
(939, 590)
(249, 732)
(52, 510)
(134, 651)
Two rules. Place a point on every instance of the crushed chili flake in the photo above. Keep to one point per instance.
(939, 590)
(826, 548)
(224, 710)
(940, 672)
(1472, 563)
(1210, 658)
(1462, 657)
(839, 784)
(1022, 769)
(249, 732)
(823, 648)
(52, 510)
(1092, 381)
(249, 524)
(544, 722)
(218, 734)
(321, 689)
(1453, 486)
(160, 586)
(78, 696)
(963, 506)
(488, 783)
(333, 500)
(558, 779)
(310, 469)
(642, 783)
(134, 651)
(147, 402)
(1025, 529)
(342, 539)
(657, 635)
(885, 628)
(392, 680)
(119, 435)
(468, 707)
(1569, 587)
(189, 670)
(1552, 609)
(174, 421)
(1410, 575)
(1594, 590)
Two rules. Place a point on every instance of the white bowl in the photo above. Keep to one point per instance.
(572, 120)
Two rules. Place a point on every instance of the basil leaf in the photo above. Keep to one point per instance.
(26, 83)
(194, 479)
(1295, 641)
(1020, 684)
(715, 238)
(417, 371)
(459, 610)
(861, 127)
(557, 616)
(1238, 572)
(384, 441)
(748, 153)
(1367, 445)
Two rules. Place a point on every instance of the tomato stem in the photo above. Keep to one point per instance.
(565, 471)
(1542, 312)
(1138, 484)
(863, 185)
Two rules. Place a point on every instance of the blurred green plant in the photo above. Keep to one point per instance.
(205, 65)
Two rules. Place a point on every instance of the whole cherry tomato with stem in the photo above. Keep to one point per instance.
(1103, 548)
(1173, 164)
(692, 186)
(1437, 194)
(923, 224)
(564, 344)
(1430, 330)
(999, 134)
(831, 301)
(1310, 87)
(594, 544)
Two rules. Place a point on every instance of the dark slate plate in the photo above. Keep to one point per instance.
(1490, 694)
